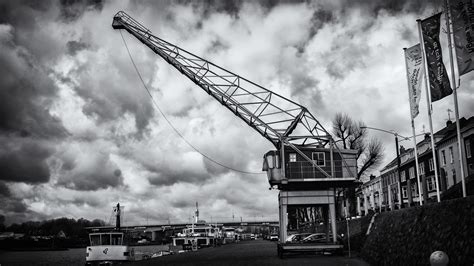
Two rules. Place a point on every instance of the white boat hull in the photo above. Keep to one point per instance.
(109, 253)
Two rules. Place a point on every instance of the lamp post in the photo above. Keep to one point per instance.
(398, 158)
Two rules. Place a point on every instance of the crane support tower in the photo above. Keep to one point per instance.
(306, 165)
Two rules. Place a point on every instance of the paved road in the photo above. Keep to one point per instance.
(257, 252)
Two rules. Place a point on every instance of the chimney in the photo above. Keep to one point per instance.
(402, 150)
(448, 123)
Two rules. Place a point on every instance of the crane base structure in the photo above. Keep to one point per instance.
(307, 199)
(307, 167)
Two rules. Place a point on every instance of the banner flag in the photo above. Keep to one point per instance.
(438, 77)
(414, 62)
(462, 17)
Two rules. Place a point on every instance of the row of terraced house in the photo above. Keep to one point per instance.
(381, 193)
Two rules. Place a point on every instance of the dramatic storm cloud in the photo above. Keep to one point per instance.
(78, 132)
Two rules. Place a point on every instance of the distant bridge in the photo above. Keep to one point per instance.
(178, 226)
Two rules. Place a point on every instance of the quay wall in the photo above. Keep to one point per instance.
(409, 236)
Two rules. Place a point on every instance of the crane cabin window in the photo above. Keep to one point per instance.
(292, 157)
(270, 163)
(319, 158)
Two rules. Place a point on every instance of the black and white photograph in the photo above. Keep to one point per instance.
(236, 132)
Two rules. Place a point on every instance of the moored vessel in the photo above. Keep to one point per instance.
(107, 248)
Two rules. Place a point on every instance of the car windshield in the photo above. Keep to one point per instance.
(297, 237)
(315, 237)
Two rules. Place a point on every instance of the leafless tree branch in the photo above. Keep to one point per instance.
(350, 135)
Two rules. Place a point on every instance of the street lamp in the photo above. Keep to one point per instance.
(398, 158)
(410, 137)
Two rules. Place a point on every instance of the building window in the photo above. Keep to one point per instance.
(403, 177)
(292, 157)
(318, 157)
(430, 162)
(414, 190)
(412, 172)
(454, 177)
(431, 184)
(468, 148)
(404, 192)
(422, 168)
(443, 157)
(451, 155)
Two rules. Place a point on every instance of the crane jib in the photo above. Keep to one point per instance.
(278, 119)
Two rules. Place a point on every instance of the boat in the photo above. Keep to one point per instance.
(198, 234)
(202, 235)
(109, 247)
(230, 235)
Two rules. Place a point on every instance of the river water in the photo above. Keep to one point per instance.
(74, 256)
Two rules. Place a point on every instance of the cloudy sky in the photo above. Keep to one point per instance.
(78, 132)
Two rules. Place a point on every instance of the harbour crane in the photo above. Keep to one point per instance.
(306, 166)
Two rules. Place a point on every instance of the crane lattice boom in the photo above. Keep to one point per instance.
(275, 117)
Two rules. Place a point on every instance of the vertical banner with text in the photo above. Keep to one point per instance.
(462, 17)
(414, 62)
(438, 77)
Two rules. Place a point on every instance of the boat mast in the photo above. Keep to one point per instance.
(117, 217)
(196, 214)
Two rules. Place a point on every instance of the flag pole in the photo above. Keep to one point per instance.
(428, 102)
(455, 95)
(420, 191)
(414, 134)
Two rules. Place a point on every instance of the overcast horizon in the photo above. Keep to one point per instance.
(79, 133)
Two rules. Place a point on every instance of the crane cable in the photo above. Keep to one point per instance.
(169, 122)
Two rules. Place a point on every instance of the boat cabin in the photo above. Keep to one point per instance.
(106, 239)
(199, 231)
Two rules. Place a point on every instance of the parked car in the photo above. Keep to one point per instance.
(319, 238)
(273, 237)
(162, 253)
(315, 238)
(297, 237)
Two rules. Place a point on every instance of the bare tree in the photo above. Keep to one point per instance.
(350, 134)
(371, 158)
